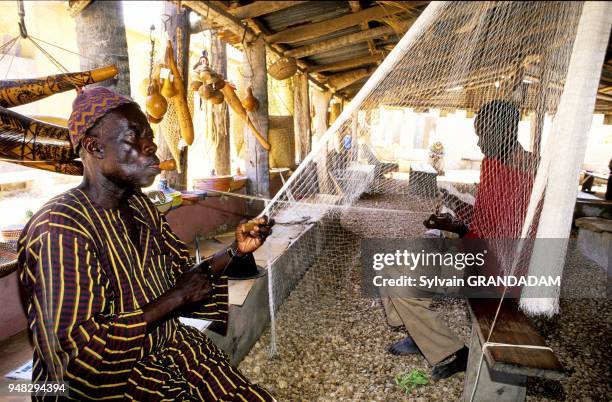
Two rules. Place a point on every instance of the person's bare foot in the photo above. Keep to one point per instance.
(450, 367)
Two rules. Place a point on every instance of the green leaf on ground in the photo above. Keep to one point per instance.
(409, 381)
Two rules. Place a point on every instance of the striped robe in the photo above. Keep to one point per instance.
(86, 283)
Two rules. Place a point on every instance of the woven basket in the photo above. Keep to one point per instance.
(282, 139)
(283, 68)
(8, 258)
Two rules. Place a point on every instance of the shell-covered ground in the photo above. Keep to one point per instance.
(332, 340)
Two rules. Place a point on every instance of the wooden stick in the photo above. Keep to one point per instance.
(232, 100)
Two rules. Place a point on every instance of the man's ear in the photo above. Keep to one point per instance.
(92, 146)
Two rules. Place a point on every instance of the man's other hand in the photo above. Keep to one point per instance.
(443, 222)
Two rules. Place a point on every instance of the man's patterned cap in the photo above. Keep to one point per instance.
(88, 107)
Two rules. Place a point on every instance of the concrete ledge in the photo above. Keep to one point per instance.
(249, 321)
(595, 241)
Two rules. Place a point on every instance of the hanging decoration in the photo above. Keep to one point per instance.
(214, 88)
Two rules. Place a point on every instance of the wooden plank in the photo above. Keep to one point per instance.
(335, 43)
(311, 31)
(258, 8)
(513, 327)
(351, 63)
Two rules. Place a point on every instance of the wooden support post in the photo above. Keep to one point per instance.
(257, 164)
(536, 126)
(301, 115)
(178, 33)
(335, 109)
(321, 105)
(220, 113)
(101, 39)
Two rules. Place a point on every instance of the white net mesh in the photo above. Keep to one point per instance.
(498, 60)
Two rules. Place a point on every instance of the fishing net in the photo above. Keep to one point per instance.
(488, 67)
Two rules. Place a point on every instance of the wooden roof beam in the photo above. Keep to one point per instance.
(258, 8)
(346, 64)
(335, 43)
(311, 31)
(356, 6)
(343, 80)
(217, 12)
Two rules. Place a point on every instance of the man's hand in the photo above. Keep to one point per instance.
(194, 285)
(444, 222)
(251, 235)
(191, 287)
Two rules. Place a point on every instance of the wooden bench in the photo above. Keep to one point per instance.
(504, 370)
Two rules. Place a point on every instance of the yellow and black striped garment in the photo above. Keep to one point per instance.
(86, 283)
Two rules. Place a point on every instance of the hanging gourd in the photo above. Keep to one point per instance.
(217, 97)
(167, 89)
(156, 103)
(219, 83)
(206, 91)
(195, 86)
(250, 103)
(206, 74)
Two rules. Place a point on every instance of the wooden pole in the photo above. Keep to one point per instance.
(220, 113)
(320, 100)
(301, 115)
(101, 39)
(177, 30)
(256, 75)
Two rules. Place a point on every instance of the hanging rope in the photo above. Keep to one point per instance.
(23, 35)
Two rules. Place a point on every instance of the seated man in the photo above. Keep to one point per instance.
(105, 276)
(503, 195)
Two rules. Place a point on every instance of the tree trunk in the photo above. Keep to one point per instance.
(101, 39)
(257, 165)
(220, 113)
(301, 115)
(178, 33)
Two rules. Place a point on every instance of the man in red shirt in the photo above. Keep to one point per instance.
(506, 178)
